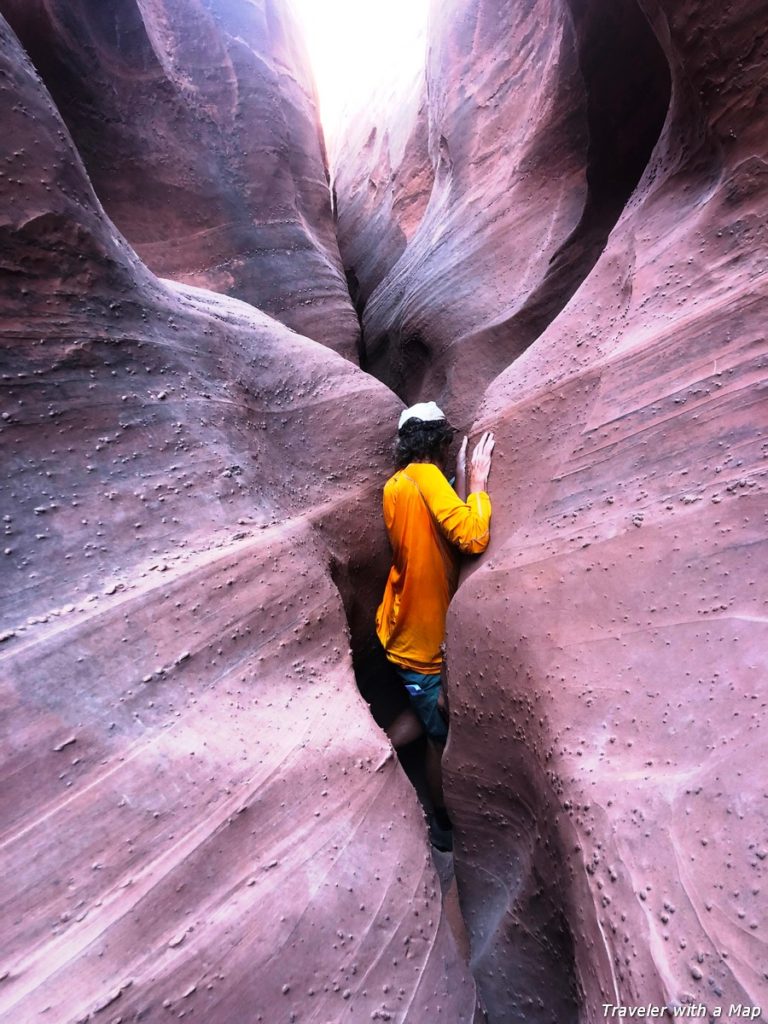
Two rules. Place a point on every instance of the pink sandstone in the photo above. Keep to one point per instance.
(199, 817)
(607, 656)
(198, 814)
(197, 122)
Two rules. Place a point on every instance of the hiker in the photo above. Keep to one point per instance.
(429, 524)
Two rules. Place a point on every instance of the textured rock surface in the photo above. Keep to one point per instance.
(197, 122)
(198, 816)
(383, 177)
(491, 205)
(629, 528)
(607, 657)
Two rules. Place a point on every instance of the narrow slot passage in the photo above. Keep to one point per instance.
(627, 83)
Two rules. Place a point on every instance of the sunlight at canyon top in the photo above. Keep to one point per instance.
(357, 47)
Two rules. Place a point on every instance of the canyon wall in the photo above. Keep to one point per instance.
(384, 174)
(469, 213)
(197, 123)
(561, 236)
(199, 816)
(607, 655)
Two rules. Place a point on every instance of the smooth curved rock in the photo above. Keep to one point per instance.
(609, 650)
(383, 177)
(527, 171)
(197, 122)
(198, 814)
(606, 657)
(490, 144)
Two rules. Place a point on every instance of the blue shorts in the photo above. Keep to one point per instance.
(423, 693)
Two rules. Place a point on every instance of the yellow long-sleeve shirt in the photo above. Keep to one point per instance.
(428, 524)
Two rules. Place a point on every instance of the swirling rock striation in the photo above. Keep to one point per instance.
(608, 651)
(606, 667)
(383, 177)
(529, 159)
(197, 122)
(198, 814)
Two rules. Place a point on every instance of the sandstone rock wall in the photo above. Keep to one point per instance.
(382, 180)
(198, 814)
(525, 173)
(606, 657)
(197, 122)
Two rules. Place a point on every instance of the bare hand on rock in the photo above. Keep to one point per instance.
(480, 465)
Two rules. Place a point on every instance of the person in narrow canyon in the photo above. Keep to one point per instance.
(430, 524)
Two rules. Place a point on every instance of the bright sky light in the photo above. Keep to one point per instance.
(357, 45)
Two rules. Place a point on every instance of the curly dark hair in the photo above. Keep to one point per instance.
(422, 441)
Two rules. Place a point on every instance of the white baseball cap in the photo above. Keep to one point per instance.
(429, 412)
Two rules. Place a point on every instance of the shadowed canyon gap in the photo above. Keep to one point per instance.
(559, 232)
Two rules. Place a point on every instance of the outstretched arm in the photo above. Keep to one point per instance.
(464, 523)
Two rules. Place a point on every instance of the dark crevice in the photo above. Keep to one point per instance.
(530, 975)
(403, 361)
(360, 588)
(353, 286)
(628, 85)
(628, 89)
